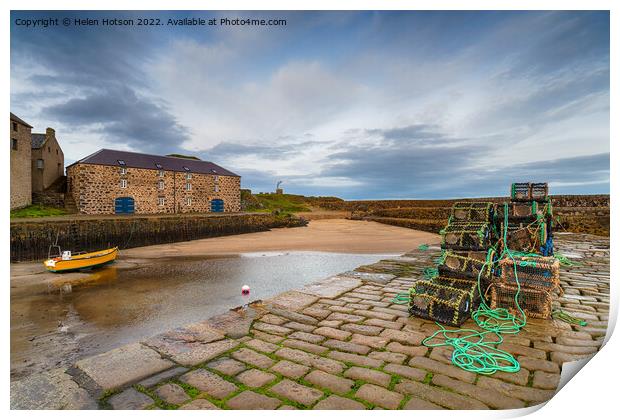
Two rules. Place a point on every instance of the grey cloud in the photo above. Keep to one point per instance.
(97, 78)
(122, 116)
(267, 150)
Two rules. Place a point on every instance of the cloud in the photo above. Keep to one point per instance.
(91, 84)
(117, 113)
(354, 104)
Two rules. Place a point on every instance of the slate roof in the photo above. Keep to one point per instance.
(19, 120)
(38, 140)
(144, 161)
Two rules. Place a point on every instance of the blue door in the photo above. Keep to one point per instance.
(217, 205)
(124, 205)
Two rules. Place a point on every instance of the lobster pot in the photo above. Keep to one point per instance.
(481, 211)
(524, 237)
(458, 266)
(539, 191)
(536, 303)
(518, 212)
(526, 191)
(532, 272)
(444, 304)
(520, 191)
(466, 236)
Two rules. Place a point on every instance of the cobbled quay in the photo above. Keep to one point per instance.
(339, 343)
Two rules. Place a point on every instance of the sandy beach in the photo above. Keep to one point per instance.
(328, 235)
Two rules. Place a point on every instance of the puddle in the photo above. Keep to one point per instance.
(118, 305)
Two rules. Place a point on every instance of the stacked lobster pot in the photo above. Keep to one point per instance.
(529, 219)
(452, 295)
(535, 278)
(534, 273)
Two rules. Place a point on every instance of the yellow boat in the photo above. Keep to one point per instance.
(68, 262)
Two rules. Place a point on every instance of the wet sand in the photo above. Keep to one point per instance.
(327, 235)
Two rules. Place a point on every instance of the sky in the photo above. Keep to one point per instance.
(359, 105)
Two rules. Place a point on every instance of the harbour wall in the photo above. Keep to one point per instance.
(30, 240)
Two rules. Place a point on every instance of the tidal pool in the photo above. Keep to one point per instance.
(125, 305)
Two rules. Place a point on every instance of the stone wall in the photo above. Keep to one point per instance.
(95, 187)
(53, 162)
(21, 188)
(30, 240)
(574, 213)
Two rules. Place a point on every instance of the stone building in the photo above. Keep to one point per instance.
(48, 160)
(112, 181)
(21, 180)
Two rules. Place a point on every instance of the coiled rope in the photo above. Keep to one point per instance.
(473, 351)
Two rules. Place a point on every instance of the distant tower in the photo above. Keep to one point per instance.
(278, 189)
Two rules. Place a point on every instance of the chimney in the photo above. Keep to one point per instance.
(50, 133)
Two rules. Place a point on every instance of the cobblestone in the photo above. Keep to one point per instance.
(199, 404)
(253, 358)
(255, 378)
(368, 375)
(333, 333)
(439, 396)
(209, 382)
(334, 402)
(330, 382)
(296, 392)
(172, 394)
(379, 396)
(290, 369)
(329, 342)
(248, 400)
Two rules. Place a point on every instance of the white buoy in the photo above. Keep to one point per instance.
(245, 293)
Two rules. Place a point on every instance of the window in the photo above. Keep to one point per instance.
(158, 166)
(160, 173)
(39, 163)
(188, 201)
(188, 175)
(161, 201)
(14, 144)
(160, 185)
(14, 126)
(123, 171)
(121, 162)
(49, 149)
(216, 179)
(186, 168)
(188, 187)
(123, 183)
(57, 151)
(216, 188)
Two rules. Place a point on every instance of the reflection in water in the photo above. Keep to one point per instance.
(118, 306)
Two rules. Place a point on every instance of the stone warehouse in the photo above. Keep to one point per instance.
(117, 182)
(21, 188)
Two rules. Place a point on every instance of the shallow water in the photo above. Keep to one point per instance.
(126, 305)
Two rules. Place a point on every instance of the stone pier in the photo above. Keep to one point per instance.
(339, 343)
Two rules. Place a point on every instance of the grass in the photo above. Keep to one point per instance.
(37, 210)
(286, 203)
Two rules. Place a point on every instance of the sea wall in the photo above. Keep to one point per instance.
(30, 240)
(574, 213)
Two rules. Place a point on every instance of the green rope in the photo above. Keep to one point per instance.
(479, 355)
(423, 247)
(401, 298)
(563, 316)
(430, 273)
(565, 261)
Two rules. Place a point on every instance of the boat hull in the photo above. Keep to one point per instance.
(81, 262)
